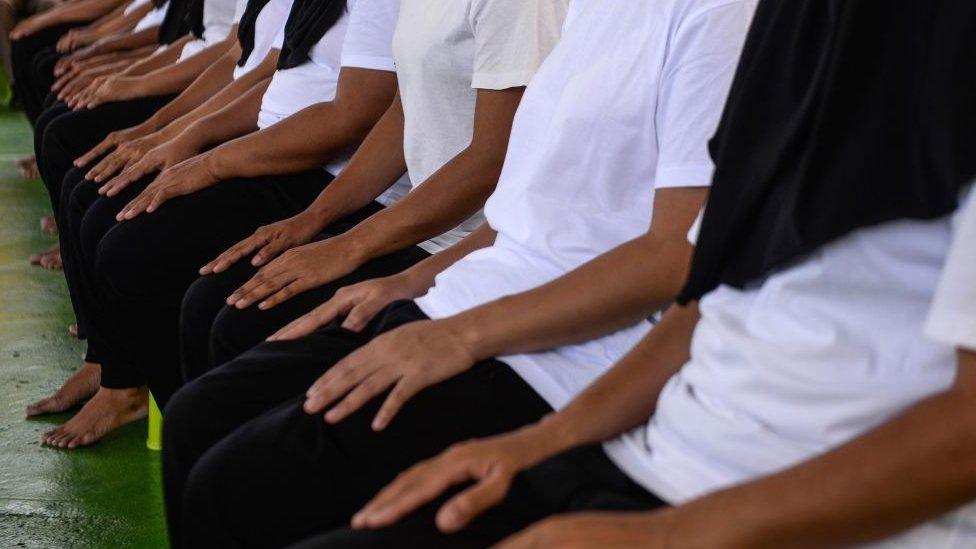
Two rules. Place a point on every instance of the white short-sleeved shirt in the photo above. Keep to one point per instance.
(625, 105)
(132, 6)
(816, 355)
(152, 19)
(267, 34)
(362, 39)
(448, 49)
(952, 319)
(218, 18)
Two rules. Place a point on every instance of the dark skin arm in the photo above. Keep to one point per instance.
(865, 490)
(172, 78)
(206, 85)
(447, 198)
(611, 292)
(375, 166)
(303, 141)
(81, 10)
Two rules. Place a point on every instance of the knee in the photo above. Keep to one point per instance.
(234, 332)
(184, 423)
(122, 261)
(201, 304)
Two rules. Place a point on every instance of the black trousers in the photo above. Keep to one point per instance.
(128, 279)
(67, 134)
(244, 466)
(62, 135)
(581, 480)
(212, 333)
(23, 53)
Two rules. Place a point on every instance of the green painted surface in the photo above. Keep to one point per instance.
(104, 496)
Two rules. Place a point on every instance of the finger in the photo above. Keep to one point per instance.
(262, 288)
(360, 315)
(302, 326)
(232, 255)
(462, 508)
(137, 202)
(368, 389)
(314, 320)
(271, 250)
(95, 152)
(106, 167)
(420, 485)
(404, 391)
(291, 290)
(339, 380)
(140, 206)
(163, 196)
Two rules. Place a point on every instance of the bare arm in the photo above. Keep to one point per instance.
(621, 399)
(865, 490)
(69, 12)
(312, 136)
(609, 293)
(159, 59)
(230, 92)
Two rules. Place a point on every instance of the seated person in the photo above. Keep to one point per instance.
(774, 410)
(163, 81)
(62, 141)
(523, 314)
(133, 282)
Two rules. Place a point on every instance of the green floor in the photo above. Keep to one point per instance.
(104, 496)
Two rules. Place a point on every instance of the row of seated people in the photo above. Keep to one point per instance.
(537, 273)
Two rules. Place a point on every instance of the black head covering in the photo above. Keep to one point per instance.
(182, 17)
(843, 114)
(245, 28)
(308, 22)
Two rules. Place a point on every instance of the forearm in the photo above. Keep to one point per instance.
(227, 95)
(375, 167)
(450, 196)
(82, 10)
(626, 395)
(421, 276)
(236, 119)
(208, 83)
(159, 59)
(313, 136)
(176, 77)
(126, 41)
(903, 473)
(120, 21)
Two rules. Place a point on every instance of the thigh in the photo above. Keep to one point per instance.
(345, 464)
(237, 330)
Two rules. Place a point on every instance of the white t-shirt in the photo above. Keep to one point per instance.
(448, 49)
(218, 18)
(362, 39)
(952, 319)
(816, 355)
(625, 105)
(267, 34)
(152, 19)
(132, 6)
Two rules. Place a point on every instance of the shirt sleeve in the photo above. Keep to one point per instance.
(279, 39)
(369, 37)
(695, 83)
(952, 316)
(512, 38)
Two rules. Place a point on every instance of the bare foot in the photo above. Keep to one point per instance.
(81, 385)
(52, 259)
(49, 225)
(27, 167)
(108, 410)
(35, 259)
(73, 331)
